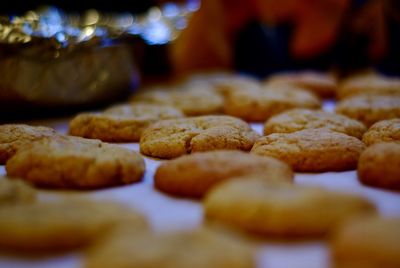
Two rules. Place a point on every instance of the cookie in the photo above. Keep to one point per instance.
(383, 131)
(15, 136)
(61, 225)
(192, 101)
(175, 137)
(370, 242)
(281, 209)
(370, 109)
(299, 119)
(260, 104)
(121, 123)
(13, 191)
(195, 249)
(193, 175)
(321, 84)
(370, 84)
(312, 150)
(76, 163)
(379, 166)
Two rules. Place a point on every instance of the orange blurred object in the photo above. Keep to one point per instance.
(208, 40)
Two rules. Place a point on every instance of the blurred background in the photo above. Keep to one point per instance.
(255, 37)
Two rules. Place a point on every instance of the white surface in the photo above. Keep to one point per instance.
(167, 213)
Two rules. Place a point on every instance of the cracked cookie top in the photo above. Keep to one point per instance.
(175, 137)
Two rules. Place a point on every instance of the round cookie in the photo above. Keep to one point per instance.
(193, 175)
(312, 150)
(383, 131)
(299, 119)
(321, 84)
(370, 109)
(76, 163)
(370, 242)
(15, 136)
(370, 84)
(13, 191)
(121, 123)
(195, 249)
(379, 166)
(281, 209)
(197, 99)
(61, 225)
(260, 104)
(175, 137)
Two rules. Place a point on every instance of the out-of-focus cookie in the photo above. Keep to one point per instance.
(299, 119)
(281, 209)
(379, 165)
(260, 104)
(312, 150)
(369, 84)
(14, 191)
(370, 109)
(15, 136)
(122, 123)
(195, 249)
(193, 175)
(383, 131)
(175, 137)
(367, 242)
(61, 225)
(76, 163)
(321, 84)
(197, 99)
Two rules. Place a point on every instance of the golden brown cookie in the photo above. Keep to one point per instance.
(121, 123)
(370, 109)
(369, 84)
(60, 225)
(76, 163)
(321, 84)
(367, 242)
(193, 100)
(281, 209)
(312, 150)
(194, 249)
(175, 137)
(14, 191)
(15, 136)
(383, 131)
(379, 165)
(260, 104)
(299, 119)
(193, 175)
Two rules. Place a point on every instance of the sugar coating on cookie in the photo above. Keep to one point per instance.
(15, 136)
(369, 242)
(260, 104)
(195, 249)
(383, 131)
(121, 123)
(370, 109)
(372, 84)
(379, 166)
(281, 209)
(15, 191)
(175, 137)
(312, 150)
(193, 175)
(193, 100)
(61, 225)
(76, 163)
(299, 119)
(321, 84)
